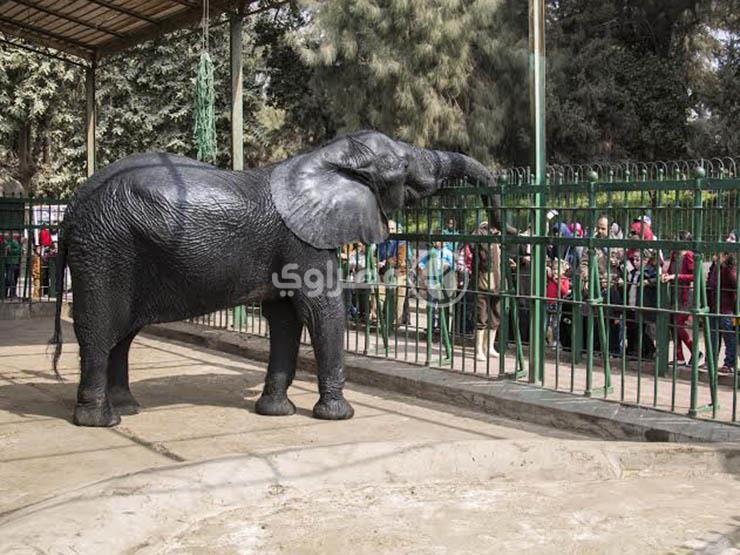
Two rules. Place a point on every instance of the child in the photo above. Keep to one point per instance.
(558, 287)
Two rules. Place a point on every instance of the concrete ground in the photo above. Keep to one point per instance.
(199, 472)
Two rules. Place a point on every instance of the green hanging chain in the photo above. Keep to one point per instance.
(204, 132)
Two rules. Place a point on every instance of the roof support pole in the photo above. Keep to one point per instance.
(537, 111)
(237, 116)
(90, 117)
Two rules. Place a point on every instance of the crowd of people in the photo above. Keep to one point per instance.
(631, 277)
(42, 264)
(626, 280)
(467, 275)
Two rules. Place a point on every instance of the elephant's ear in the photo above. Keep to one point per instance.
(327, 199)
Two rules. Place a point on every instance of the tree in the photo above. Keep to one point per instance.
(145, 103)
(40, 143)
(639, 79)
(623, 76)
(399, 66)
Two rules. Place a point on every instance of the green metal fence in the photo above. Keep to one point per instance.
(614, 333)
(28, 234)
(614, 323)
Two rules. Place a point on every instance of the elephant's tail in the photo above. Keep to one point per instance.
(56, 340)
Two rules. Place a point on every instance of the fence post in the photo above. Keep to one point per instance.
(28, 276)
(700, 310)
(537, 267)
(596, 300)
(2, 269)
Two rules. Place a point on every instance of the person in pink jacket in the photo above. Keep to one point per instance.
(680, 271)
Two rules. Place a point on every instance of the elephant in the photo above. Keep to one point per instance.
(158, 237)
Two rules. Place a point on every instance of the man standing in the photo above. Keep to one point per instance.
(393, 258)
(12, 265)
(609, 270)
(488, 265)
(450, 229)
(436, 267)
(722, 296)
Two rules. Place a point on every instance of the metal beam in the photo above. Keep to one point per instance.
(44, 41)
(237, 117)
(120, 9)
(90, 118)
(67, 17)
(170, 24)
(188, 3)
(177, 22)
(41, 52)
(44, 33)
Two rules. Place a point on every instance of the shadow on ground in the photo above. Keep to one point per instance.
(57, 399)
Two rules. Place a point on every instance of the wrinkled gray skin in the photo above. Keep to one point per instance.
(159, 238)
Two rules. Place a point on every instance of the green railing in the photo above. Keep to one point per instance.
(615, 332)
(28, 233)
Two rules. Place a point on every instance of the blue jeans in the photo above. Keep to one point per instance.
(722, 329)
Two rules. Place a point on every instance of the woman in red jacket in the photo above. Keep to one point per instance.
(681, 271)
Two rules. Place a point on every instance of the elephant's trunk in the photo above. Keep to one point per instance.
(452, 165)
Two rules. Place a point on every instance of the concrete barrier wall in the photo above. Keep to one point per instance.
(22, 311)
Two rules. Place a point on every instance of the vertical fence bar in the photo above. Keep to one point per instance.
(697, 223)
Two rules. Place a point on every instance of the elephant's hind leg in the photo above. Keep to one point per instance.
(96, 320)
(285, 335)
(94, 407)
(118, 379)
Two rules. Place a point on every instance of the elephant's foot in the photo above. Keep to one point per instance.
(124, 402)
(333, 409)
(274, 405)
(99, 415)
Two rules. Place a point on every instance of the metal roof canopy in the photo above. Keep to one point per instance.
(94, 29)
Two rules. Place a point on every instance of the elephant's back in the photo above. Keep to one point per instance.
(142, 189)
(166, 178)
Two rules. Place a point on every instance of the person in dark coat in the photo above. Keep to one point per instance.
(722, 297)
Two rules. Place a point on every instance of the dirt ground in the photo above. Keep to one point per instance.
(198, 472)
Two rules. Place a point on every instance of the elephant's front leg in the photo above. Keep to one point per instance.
(285, 335)
(324, 316)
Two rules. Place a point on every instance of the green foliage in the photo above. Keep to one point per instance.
(398, 66)
(205, 117)
(145, 99)
(625, 78)
(637, 79)
(41, 102)
(715, 129)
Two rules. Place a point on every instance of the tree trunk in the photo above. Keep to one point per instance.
(26, 167)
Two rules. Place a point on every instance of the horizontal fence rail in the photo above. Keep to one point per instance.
(641, 304)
